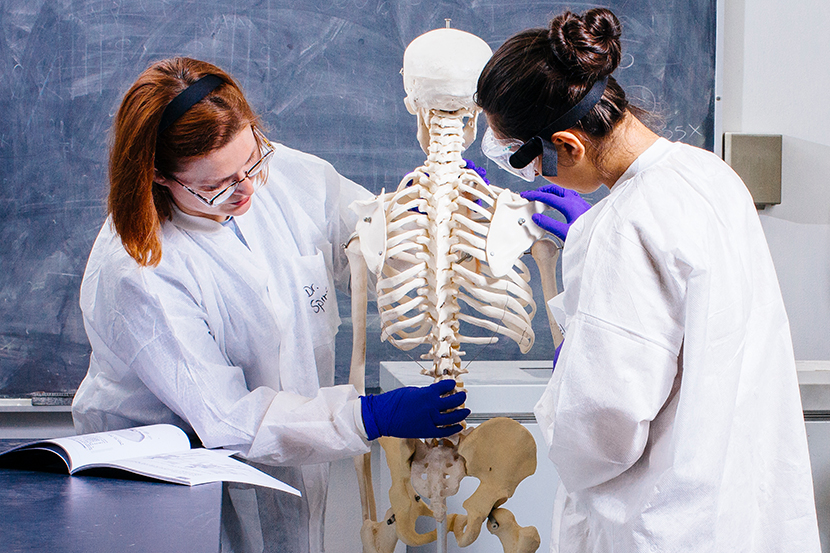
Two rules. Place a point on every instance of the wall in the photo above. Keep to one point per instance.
(775, 75)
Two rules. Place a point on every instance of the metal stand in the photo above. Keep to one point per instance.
(441, 530)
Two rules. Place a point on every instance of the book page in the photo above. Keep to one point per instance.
(199, 466)
(104, 447)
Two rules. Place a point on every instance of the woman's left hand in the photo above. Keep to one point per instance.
(567, 202)
(415, 412)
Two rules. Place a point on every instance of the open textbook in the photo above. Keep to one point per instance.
(160, 451)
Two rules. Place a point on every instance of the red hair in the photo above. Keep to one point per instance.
(139, 206)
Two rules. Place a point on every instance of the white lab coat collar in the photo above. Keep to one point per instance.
(649, 157)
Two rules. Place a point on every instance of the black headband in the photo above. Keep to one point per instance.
(541, 144)
(188, 98)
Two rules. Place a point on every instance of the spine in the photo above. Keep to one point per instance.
(444, 165)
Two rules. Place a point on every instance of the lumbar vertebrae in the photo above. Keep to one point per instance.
(445, 238)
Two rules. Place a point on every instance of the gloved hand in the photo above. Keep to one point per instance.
(568, 202)
(413, 412)
(482, 172)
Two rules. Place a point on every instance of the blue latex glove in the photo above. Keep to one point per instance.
(567, 202)
(413, 412)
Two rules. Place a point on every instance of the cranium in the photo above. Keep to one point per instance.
(440, 72)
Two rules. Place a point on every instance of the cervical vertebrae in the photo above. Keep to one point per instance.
(436, 231)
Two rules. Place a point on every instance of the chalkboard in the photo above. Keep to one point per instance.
(324, 76)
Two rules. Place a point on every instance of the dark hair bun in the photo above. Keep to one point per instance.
(587, 45)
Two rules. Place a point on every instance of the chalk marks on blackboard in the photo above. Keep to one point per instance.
(681, 133)
(643, 97)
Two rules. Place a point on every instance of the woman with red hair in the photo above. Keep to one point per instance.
(212, 308)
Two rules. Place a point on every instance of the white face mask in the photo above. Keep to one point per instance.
(500, 150)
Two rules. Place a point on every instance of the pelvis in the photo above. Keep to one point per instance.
(500, 453)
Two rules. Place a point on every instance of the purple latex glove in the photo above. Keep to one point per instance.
(482, 172)
(414, 412)
(556, 354)
(567, 202)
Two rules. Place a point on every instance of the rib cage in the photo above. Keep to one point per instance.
(437, 222)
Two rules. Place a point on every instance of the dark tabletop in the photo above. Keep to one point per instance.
(44, 512)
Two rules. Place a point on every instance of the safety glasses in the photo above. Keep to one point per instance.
(500, 150)
(538, 155)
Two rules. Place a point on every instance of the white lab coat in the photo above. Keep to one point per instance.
(673, 415)
(236, 344)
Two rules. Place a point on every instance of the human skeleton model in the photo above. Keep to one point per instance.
(443, 238)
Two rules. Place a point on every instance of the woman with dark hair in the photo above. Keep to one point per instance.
(673, 415)
(212, 308)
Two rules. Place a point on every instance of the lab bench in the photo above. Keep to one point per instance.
(45, 511)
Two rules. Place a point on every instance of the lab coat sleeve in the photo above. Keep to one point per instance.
(171, 348)
(624, 294)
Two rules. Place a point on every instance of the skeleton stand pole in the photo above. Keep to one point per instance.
(442, 535)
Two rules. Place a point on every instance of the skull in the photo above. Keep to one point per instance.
(440, 72)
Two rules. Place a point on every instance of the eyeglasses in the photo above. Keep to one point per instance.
(228, 191)
(500, 150)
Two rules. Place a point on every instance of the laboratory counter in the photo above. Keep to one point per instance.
(44, 511)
